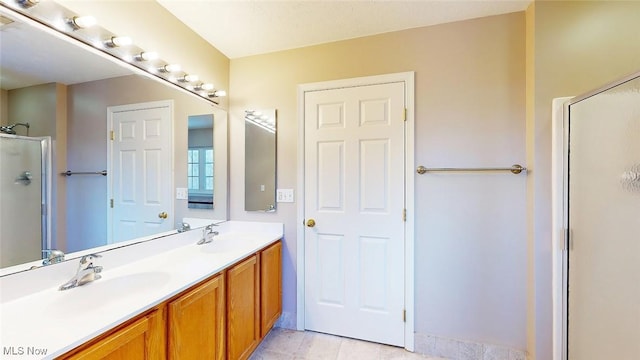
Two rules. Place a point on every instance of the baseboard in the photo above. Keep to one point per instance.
(286, 321)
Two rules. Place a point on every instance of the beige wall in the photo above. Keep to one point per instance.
(470, 111)
(579, 46)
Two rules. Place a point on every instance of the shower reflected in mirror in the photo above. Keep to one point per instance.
(25, 183)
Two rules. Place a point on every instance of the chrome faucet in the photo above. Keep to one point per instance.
(184, 227)
(53, 257)
(87, 272)
(207, 234)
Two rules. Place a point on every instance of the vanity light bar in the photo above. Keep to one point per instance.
(60, 20)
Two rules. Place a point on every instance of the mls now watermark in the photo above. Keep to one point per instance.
(23, 350)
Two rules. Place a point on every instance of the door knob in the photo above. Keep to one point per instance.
(311, 223)
(163, 215)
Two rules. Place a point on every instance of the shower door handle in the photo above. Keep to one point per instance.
(24, 178)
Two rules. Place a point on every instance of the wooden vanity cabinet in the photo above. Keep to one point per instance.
(270, 286)
(254, 300)
(140, 339)
(196, 322)
(243, 308)
(224, 317)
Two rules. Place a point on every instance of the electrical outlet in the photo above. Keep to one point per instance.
(284, 195)
(182, 194)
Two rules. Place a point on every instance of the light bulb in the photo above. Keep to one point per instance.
(82, 22)
(28, 3)
(170, 68)
(206, 87)
(116, 41)
(147, 56)
(189, 78)
(218, 93)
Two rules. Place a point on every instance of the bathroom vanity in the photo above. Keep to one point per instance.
(180, 300)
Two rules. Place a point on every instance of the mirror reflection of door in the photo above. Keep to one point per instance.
(200, 162)
(260, 160)
(139, 170)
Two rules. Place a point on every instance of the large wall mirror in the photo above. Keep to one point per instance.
(62, 90)
(260, 160)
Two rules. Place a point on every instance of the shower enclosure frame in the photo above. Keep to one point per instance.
(46, 187)
(561, 233)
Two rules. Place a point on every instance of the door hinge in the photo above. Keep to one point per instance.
(43, 210)
(112, 135)
(111, 203)
(404, 315)
(404, 214)
(404, 115)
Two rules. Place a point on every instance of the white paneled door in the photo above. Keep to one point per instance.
(354, 205)
(140, 170)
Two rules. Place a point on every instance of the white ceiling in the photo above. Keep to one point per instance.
(250, 27)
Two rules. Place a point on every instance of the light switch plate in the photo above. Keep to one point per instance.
(182, 194)
(284, 195)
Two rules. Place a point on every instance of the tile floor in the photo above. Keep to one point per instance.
(284, 344)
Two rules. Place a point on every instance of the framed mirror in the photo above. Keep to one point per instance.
(200, 162)
(260, 160)
(62, 90)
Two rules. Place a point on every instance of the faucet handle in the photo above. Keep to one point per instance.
(87, 258)
(54, 256)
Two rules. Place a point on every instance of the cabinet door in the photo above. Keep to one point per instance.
(196, 322)
(270, 286)
(141, 339)
(243, 309)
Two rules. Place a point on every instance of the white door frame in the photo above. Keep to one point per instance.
(132, 107)
(560, 138)
(408, 79)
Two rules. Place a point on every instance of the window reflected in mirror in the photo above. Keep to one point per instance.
(260, 160)
(200, 162)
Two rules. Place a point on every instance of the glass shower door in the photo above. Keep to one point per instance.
(603, 316)
(22, 192)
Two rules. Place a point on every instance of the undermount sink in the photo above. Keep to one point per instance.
(106, 290)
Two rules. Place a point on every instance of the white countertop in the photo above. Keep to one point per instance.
(40, 322)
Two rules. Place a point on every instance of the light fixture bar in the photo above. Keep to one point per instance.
(63, 24)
